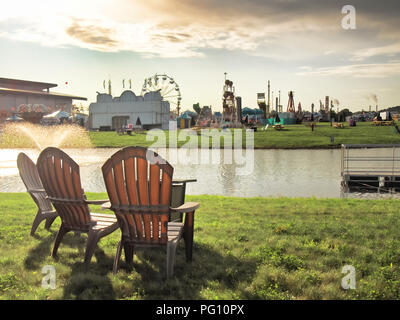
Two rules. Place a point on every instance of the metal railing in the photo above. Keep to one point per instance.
(371, 167)
(360, 159)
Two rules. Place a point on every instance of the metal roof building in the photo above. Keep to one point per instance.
(15, 93)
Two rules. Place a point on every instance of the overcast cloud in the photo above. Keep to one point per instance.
(298, 42)
(183, 28)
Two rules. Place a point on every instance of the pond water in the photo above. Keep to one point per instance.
(291, 173)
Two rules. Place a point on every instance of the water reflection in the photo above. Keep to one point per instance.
(292, 173)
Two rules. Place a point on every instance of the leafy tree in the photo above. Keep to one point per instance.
(197, 108)
(343, 114)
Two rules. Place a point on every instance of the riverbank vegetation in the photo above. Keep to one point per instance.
(291, 137)
(256, 248)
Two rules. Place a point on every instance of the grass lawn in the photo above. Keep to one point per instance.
(293, 136)
(258, 248)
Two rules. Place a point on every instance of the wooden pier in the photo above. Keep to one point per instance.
(370, 168)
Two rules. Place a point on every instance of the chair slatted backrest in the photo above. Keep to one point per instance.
(61, 180)
(139, 185)
(30, 177)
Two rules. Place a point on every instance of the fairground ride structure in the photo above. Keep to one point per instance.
(228, 102)
(290, 106)
(167, 87)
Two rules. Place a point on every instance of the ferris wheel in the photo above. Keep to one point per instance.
(167, 86)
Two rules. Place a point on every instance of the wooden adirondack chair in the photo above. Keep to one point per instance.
(30, 177)
(139, 185)
(61, 180)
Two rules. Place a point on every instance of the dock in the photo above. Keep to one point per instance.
(370, 168)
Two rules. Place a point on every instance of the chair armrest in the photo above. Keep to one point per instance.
(96, 201)
(36, 190)
(175, 181)
(186, 207)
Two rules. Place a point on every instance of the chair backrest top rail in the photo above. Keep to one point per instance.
(161, 209)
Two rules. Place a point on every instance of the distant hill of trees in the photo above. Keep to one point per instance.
(393, 109)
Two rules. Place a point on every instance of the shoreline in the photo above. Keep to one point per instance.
(385, 197)
(243, 148)
(328, 147)
(294, 137)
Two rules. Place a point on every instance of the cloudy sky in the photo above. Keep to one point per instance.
(297, 45)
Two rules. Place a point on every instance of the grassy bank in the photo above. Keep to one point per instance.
(257, 248)
(293, 136)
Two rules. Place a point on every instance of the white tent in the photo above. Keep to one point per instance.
(55, 117)
(58, 115)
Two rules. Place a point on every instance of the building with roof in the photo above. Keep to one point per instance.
(111, 113)
(16, 93)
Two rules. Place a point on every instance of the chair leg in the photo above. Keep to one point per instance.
(188, 235)
(117, 257)
(93, 238)
(59, 237)
(49, 222)
(36, 222)
(129, 251)
(171, 250)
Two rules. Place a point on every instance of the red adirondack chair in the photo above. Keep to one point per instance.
(139, 185)
(61, 180)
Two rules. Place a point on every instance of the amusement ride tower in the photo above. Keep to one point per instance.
(228, 102)
(290, 106)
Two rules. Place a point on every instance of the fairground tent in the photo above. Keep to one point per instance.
(58, 115)
(249, 111)
(14, 118)
(55, 117)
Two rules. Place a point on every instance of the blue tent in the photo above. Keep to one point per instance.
(189, 113)
(183, 121)
(283, 117)
(14, 118)
(249, 111)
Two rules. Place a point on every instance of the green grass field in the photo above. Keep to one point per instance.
(257, 248)
(293, 136)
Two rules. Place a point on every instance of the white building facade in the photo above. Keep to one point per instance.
(109, 113)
